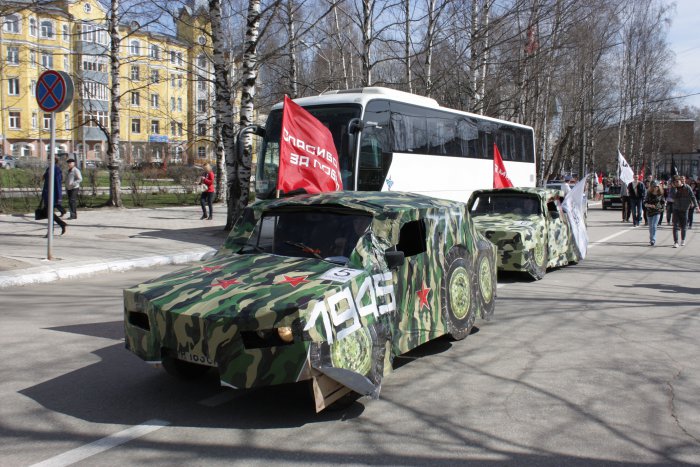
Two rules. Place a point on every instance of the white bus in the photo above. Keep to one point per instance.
(390, 140)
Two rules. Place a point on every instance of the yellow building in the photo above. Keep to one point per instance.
(165, 106)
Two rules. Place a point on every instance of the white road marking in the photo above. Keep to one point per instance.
(101, 445)
(609, 237)
(219, 399)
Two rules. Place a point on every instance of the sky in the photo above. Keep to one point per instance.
(684, 38)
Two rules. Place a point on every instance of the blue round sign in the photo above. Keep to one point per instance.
(54, 91)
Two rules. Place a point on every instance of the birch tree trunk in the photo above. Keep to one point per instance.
(367, 26)
(223, 109)
(407, 44)
(115, 197)
(292, 42)
(239, 171)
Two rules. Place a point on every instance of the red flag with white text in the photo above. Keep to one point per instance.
(500, 177)
(308, 158)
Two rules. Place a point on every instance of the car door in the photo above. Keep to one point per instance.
(557, 232)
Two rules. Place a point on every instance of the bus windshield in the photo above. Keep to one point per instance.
(334, 117)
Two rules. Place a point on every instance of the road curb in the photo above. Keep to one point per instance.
(46, 274)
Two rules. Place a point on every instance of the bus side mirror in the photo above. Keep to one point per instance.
(394, 259)
(355, 126)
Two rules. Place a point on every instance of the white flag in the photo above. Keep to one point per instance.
(573, 206)
(625, 172)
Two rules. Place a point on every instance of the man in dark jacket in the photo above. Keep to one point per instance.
(683, 200)
(636, 192)
(57, 195)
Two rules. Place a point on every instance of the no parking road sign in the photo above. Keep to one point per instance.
(54, 91)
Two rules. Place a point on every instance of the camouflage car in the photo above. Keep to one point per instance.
(527, 225)
(327, 288)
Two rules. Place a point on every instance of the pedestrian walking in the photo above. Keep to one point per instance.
(624, 195)
(654, 203)
(683, 200)
(73, 180)
(57, 195)
(670, 193)
(207, 193)
(636, 192)
(694, 187)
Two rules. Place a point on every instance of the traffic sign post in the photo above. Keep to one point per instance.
(54, 93)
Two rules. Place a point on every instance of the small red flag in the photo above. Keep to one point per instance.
(641, 172)
(308, 158)
(600, 178)
(500, 177)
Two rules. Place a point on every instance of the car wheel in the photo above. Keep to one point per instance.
(539, 258)
(486, 285)
(183, 370)
(458, 295)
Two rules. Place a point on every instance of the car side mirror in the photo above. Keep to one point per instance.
(394, 259)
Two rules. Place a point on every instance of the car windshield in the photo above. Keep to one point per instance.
(614, 190)
(326, 234)
(505, 204)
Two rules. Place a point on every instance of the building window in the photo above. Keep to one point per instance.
(135, 98)
(201, 129)
(134, 73)
(172, 104)
(134, 47)
(13, 86)
(35, 120)
(172, 57)
(94, 90)
(32, 27)
(179, 104)
(92, 63)
(47, 121)
(172, 128)
(155, 52)
(66, 121)
(202, 152)
(201, 105)
(136, 125)
(15, 121)
(32, 86)
(66, 63)
(155, 76)
(179, 128)
(66, 33)
(32, 58)
(46, 29)
(172, 81)
(98, 151)
(202, 62)
(179, 81)
(154, 101)
(47, 60)
(13, 55)
(12, 24)
(201, 83)
(155, 127)
(179, 58)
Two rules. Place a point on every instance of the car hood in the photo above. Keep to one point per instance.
(256, 289)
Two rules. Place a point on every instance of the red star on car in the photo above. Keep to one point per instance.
(423, 297)
(294, 281)
(211, 268)
(226, 282)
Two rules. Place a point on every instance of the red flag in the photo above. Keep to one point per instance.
(500, 177)
(308, 158)
(641, 172)
(600, 178)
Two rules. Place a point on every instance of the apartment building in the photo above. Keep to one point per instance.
(166, 83)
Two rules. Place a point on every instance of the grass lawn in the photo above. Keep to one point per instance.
(32, 178)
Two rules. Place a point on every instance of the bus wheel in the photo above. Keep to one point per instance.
(458, 301)
(538, 260)
(486, 286)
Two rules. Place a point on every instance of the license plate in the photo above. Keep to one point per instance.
(195, 358)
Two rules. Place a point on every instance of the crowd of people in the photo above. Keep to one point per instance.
(649, 200)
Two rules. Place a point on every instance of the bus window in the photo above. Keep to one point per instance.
(375, 147)
(409, 129)
(468, 138)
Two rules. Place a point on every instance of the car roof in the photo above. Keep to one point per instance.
(537, 191)
(370, 202)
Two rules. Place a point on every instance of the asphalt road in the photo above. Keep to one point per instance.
(596, 364)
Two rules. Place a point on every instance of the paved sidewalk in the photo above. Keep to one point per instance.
(106, 240)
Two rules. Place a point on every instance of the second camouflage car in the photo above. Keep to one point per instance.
(527, 225)
(327, 288)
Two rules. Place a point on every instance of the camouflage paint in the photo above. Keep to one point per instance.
(347, 321)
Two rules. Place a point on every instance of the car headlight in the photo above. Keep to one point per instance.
(285, 334)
